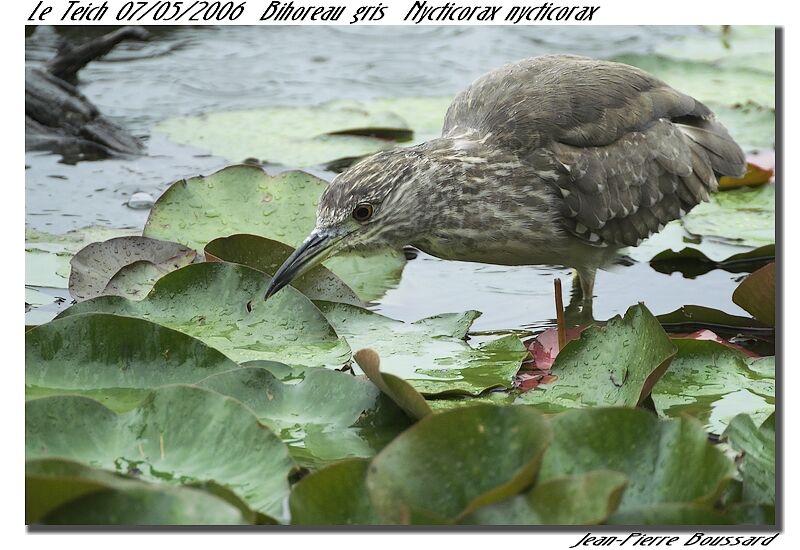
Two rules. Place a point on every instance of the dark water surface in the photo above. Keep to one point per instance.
(192, 70)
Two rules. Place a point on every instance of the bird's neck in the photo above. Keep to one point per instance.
(457, 171)
(467, 189)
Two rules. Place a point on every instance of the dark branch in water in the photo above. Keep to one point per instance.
(59, 118)
(71, 59)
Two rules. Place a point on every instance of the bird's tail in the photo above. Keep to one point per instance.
(714, 154)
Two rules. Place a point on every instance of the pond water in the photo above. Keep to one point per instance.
(193, 70)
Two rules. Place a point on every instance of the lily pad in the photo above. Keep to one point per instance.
(742, 46)
(751, 514)
(756, 294)
(148, 506)
(615, 365)
(43, 304)
(135, 280)
(666, 461)
(307, 136)
(293, 136)
(397, 389)
(223, 305)
(113, 359)
(706, 234)
(584, 499)
(753, 210)
(46, 265)
(726, 85)
(698, 317)
(267, 255)
(166, 440)
(95, 264)
(714, 383)
(51, 483)
(742, 98)
(324, 417)
(430, 354)
(63, 492)
(757, 465)
(680, 513)
(35, 297)
(335, 495)
(450, 464)
(673, 240)
(74, 240)
(244, 199)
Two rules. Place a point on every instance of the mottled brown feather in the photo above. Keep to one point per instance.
(624, 152)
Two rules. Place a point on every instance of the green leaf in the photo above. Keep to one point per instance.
(94, 265)
(673, 513)
(751, 514)
(306, 136)
(335, 495)
(243, 199)
(326, 416)
(459, 401)
(690, 318)
(113, 359)
(752, 208)
(424, 115)
(615, 365)
(223, 305)
(35, 297)
(742, 98)
(178, 435)
(47, 258)
(51, 483)
(757, 466)
(756, 294)
(430, 354)
(147, 506)
(41, 305)
(665, 460)
(742, 46)
(707, 234)
(397, 389)
(727, 86)
(63, 492)
(714, 383)
(267, 255)
(46, 265)
(74, 240)
(584, 499)
(450, 464)
(135, 280)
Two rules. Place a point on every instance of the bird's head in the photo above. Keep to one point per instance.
(373, 204)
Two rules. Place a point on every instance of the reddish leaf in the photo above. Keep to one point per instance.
(760, 170)
(705, 334)
(528, 380)
(544, 347)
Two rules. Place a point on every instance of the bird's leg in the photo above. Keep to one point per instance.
(586, 277)
(579, 310)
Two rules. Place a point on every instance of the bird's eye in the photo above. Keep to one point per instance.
(363, 212)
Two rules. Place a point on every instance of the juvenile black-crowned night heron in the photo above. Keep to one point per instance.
(556, 159)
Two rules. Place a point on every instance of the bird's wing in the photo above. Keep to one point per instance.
(625, 152)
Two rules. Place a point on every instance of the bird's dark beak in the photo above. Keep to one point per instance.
(311, 252)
